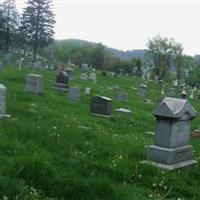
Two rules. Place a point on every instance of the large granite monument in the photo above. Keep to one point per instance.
(173, 125)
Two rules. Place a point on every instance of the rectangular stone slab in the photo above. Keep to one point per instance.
(169, 156)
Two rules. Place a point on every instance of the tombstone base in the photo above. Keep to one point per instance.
(61, 87)
(4, 115)
(100, 115)
(184, 164)
(169, 156)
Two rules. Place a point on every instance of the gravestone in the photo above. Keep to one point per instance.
(122, 96)
(87, 91)
(173, 125)
(184, 94)
(21, 64)
(93, 77)
(84, 76)
(62, 80)
(192, 94)
(3, 101)
(143, 89)
(124, 111)
(59, 68)
(84, 67)
(70, 73)
(74, 93)
(34, 83)
(101, 106)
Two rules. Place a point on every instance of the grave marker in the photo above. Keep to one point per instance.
(101, 106)
(3, 101)
(34, 83)
(74, 93)
(171, 150)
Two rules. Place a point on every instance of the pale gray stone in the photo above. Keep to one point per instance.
(3, 101)
(122, 96)
(34, 83)
(74, 93)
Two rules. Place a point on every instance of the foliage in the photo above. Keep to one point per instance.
(163, 51)
(9, 22)
(37, 24)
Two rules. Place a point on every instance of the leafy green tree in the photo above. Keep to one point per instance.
(37, 24)
(164, 51)
(137, 66)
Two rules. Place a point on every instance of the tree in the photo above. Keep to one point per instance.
(178, 56)
(37, 24)
(9, 22)
(163, 52)
(137, 66)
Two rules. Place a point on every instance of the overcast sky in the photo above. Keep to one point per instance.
(128, 24)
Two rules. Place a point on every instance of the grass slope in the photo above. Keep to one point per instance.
(52, 148)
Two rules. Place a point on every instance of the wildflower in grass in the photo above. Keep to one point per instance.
(154, 184)
(5, 198)
(140, 175)
(165, 187)
(150, 196)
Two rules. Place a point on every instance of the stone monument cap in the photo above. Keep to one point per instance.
(175, 108)
(2, 86)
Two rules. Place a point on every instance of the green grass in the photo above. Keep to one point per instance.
(45, 153)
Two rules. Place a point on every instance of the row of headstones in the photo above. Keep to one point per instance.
(174, 116)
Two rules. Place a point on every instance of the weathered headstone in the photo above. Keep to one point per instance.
(143, 89)
(74, 93)
(101, 106)
(122, 96)
(84, 76)
(21, 64)
(70, 73)
(171, 150)
(183, 94)
(93, 77)
(87, 91)
(84, 67)
(34, 83)
(59, 68)
(3, 101)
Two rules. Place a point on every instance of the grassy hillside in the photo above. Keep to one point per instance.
(52, 148)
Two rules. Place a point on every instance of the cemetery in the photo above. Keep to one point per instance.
(80, 120)
(48, 135)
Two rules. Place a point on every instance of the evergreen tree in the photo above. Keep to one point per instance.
(37, 24)
(9, 21)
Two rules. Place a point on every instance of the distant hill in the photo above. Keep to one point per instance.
(122, 55)
(128, 55)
